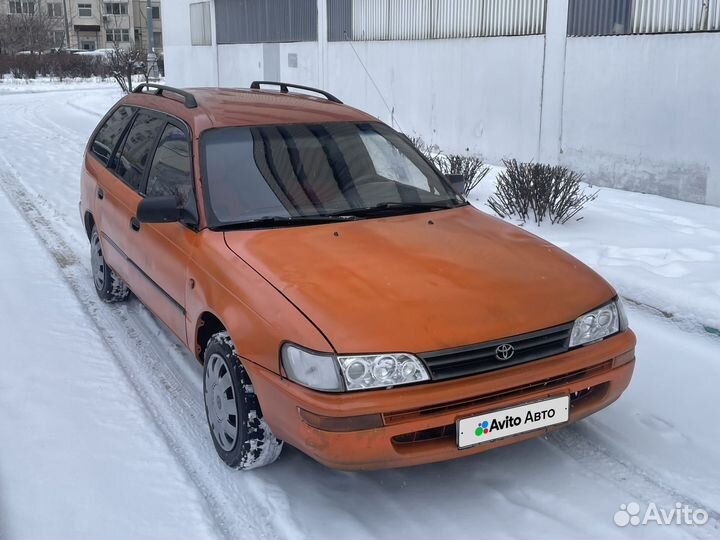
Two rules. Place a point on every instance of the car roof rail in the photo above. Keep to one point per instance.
(190, 101)
(285, 86)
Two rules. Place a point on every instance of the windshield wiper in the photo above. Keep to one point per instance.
(283, 221)
(402, 207)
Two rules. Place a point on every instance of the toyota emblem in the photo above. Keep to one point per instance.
(504, 352)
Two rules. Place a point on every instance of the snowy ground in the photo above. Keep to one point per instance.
(11, 85)
(102, 431)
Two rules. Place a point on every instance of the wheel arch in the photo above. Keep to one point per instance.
(207, 325)
(89, 222)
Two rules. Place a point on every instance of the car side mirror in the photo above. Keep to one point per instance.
(457, 181)
(163, 210)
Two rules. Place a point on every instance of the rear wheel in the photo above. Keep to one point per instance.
(242, 438)
(109, 286)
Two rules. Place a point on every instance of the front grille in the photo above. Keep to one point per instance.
(474, 359)
(399, 417)
(450, 431)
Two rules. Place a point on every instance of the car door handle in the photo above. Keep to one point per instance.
(134, 224)
(100, 194)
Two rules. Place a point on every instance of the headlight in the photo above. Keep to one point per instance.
(598, 324)
(314, 370)
(380, 370)
(360, 372)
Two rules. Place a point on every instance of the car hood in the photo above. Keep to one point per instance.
(421, 282)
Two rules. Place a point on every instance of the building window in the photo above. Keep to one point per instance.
(157, 37)
(117, 35)
(85, 10)
(156, 12)
(116, 8)
(200, 32)
(21, 7)
(58, 38)
(54, 9)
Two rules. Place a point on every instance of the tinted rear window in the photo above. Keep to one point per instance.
(138, 146)
(110, 134)
(170, 173)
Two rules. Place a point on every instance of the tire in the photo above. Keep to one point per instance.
(242, 438)
(109, 286)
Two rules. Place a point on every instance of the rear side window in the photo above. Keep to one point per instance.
(137, 148)
(170, 171)
(110, 133)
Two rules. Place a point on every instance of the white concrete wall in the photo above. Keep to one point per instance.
(242, 64)
(467, 95)
(186, 65)
(636, 112)
(643, 113)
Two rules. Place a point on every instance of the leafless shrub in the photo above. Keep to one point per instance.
(53, 64)
(472, 169)
(26, 66)
(543, 190)
(64, 65)
(430, 151)
(5, 64)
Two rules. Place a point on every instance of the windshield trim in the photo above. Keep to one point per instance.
(214, 223)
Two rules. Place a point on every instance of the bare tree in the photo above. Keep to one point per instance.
(30, 30)
(125, 62)
(128, 57)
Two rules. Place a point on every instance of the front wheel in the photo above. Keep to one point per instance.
(109, 286)
(242, 438)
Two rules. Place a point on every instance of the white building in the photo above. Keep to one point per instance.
(625, 91)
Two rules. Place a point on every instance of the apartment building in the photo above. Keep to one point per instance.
(91, 24)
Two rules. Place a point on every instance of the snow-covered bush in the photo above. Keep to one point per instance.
(545, 191)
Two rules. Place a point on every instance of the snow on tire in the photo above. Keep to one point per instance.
(242, 438)
(109, 286)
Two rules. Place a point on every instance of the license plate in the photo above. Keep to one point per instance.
(506, 422)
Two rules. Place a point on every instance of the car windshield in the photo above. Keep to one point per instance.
(299, 173)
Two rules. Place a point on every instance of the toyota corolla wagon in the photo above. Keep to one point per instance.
(341, 294)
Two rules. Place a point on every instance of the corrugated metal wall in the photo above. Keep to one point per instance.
(607, 17)
(265, 21)
(652, 16)
(371, 20)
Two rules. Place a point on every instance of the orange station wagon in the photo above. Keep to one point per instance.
(340, 292)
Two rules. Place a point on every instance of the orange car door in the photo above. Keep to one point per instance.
(162, 250)
(123, 234)
(110, 214)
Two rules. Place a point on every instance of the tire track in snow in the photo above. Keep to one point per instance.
(154, 366)
(577, 442)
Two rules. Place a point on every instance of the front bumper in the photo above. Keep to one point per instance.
(419, 420)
